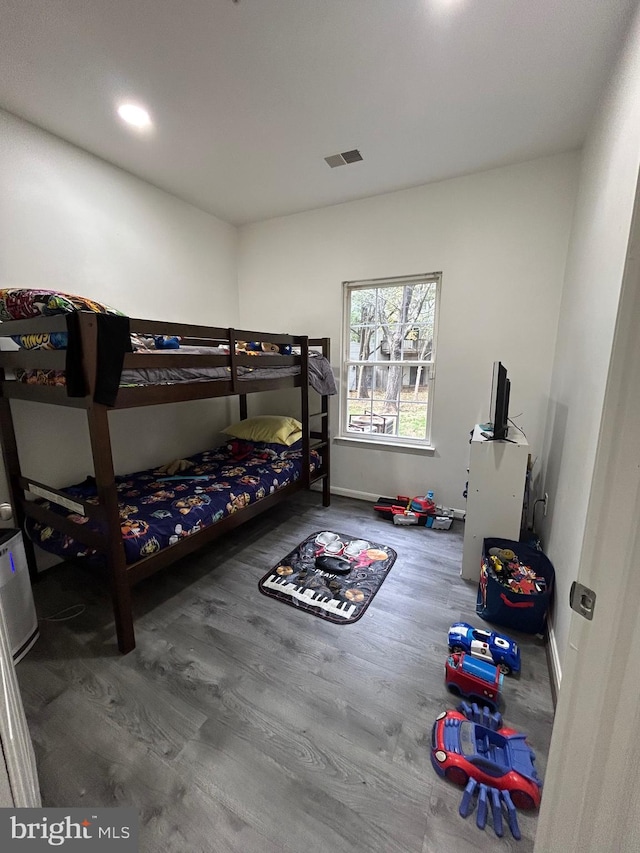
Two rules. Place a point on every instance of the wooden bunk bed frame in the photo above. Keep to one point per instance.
(123, 577)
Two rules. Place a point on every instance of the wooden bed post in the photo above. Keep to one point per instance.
(244, 411)
(304, 413)
(98, 420)
(326, 453)
(97, 416)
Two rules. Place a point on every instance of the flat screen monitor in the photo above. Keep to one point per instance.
(499, 410)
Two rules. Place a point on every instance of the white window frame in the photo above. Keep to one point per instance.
(347, 362)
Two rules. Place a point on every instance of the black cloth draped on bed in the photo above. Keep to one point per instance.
(113, 341)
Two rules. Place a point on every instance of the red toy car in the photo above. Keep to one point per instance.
(462, 749)
(479, 680)
(420, 508)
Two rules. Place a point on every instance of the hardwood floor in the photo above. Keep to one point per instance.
(241, 724)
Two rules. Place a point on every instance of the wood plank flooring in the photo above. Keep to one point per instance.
(242, 725)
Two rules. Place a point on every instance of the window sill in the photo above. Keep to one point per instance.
(427, 449)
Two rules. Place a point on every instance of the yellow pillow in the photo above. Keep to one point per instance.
(273, 429)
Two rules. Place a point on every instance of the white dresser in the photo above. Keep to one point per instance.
(495, 491)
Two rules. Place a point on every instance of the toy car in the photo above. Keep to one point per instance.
(486, 645)
(419, 509)
(502, 759)
(476, 679)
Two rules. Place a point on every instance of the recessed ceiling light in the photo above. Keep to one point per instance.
(134, 115)
(448, 5)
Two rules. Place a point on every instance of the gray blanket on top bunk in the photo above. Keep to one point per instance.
(321, 376)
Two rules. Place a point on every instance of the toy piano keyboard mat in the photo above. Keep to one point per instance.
(339, 598)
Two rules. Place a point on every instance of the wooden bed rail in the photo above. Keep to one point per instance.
(31, 359)
(34, 325)
(64, 499)
(238, 382)
(216, 334)
(64, 524)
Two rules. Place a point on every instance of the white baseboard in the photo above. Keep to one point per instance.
(352, 493)
(554, 657)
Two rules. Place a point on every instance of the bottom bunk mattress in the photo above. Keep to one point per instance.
(157, 510)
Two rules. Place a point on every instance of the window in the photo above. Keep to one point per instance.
(389, 359)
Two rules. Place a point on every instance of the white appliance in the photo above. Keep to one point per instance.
(16, 596)
(19, 786)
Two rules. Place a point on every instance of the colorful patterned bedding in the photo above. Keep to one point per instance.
(157, 511)
(19, 303)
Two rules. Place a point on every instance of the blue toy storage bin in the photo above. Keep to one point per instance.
(503, 606)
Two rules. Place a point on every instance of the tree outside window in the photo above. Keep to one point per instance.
(389, 359)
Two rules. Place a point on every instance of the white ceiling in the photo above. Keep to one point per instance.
(248, 97)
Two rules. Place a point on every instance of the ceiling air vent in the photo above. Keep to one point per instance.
(343, 159)
(351, 156)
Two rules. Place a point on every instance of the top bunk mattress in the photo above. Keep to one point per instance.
(321, 376)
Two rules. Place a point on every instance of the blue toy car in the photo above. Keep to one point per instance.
(486, 645)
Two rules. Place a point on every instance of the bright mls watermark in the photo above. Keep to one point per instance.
(103, 830)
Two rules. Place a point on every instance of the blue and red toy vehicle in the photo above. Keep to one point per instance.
(486, 645)
(421, 508)
(476, 679)
(462, 750)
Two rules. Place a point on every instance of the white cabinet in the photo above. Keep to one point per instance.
(19, 786)
(497, 474)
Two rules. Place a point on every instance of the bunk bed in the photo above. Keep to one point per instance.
(211, 362)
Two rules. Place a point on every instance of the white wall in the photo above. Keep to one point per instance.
(72, 222)
(499, 238)
(595, 263)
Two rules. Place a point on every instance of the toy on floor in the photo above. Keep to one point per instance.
(472, 748)
(486, 645)
(417, 510)
(476, 679)
(406, 517)
(508, 569)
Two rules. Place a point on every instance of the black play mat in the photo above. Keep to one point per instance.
(302, 578)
